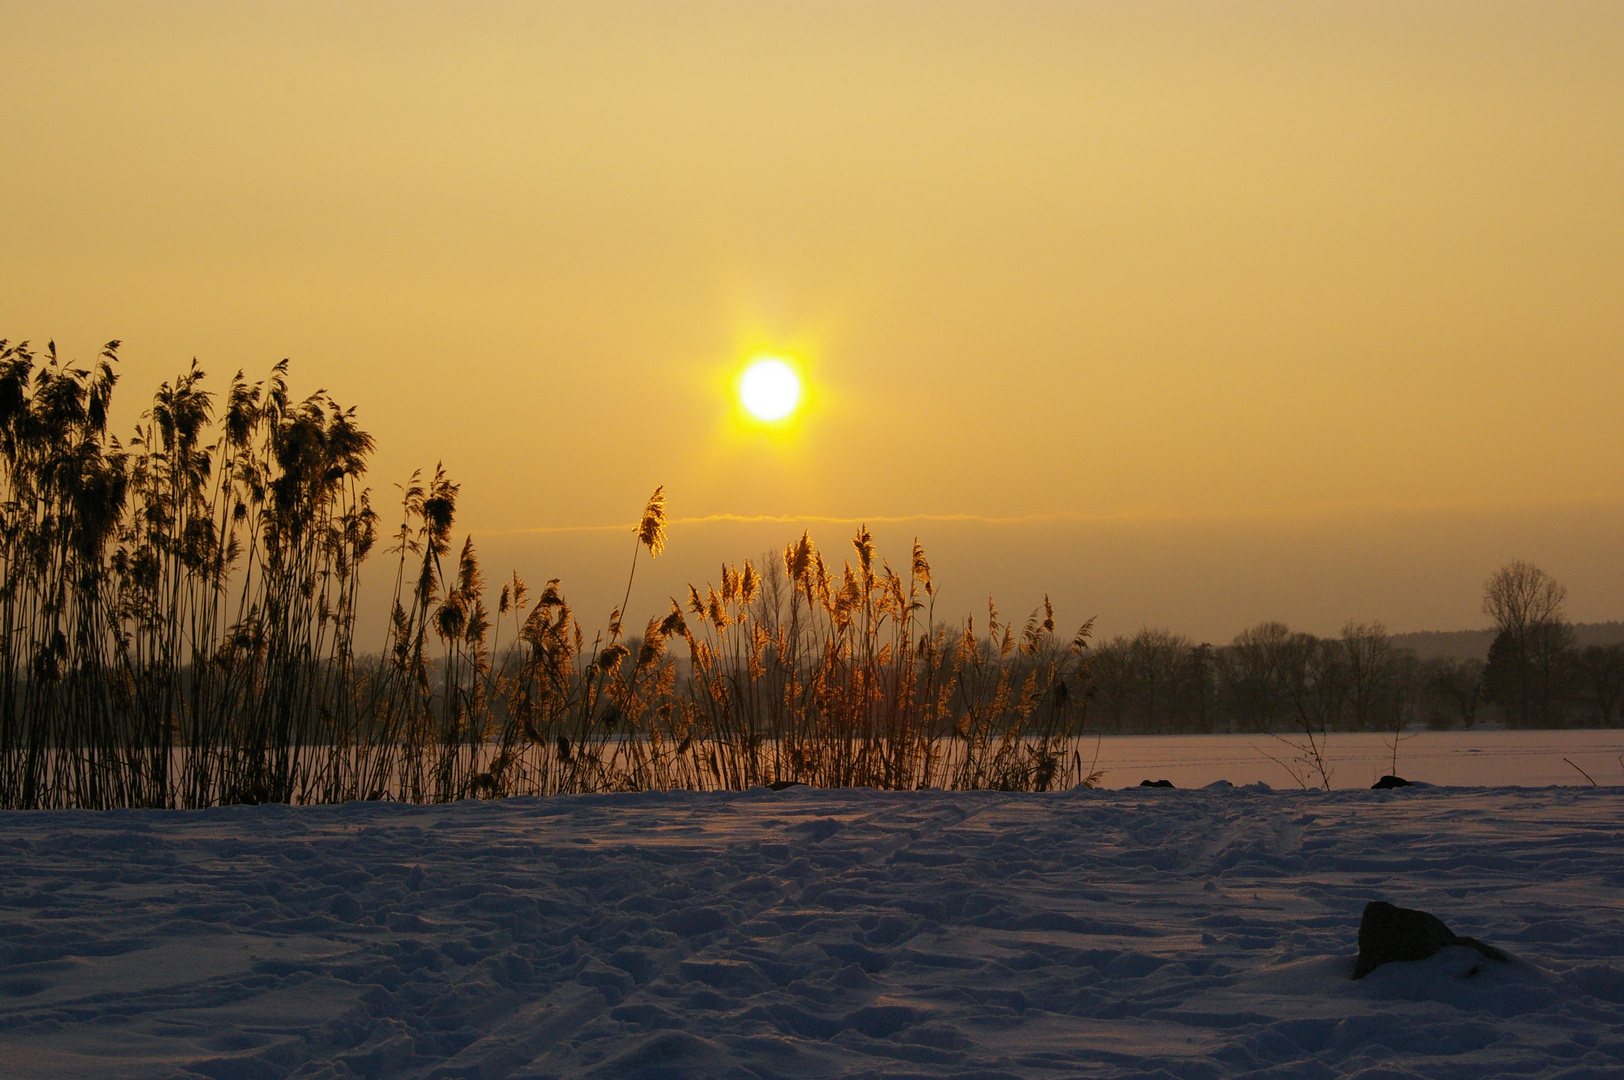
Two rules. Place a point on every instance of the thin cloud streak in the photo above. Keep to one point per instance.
(795, 519)
(1467, 504)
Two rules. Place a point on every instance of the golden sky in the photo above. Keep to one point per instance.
(1203, 296)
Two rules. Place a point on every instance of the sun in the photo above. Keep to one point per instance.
(770, 389)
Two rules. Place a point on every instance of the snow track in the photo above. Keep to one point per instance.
(1156, 933)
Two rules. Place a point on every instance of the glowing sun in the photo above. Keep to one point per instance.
(770, 389)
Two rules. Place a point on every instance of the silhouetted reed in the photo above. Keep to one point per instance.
(177, 628)
(177, 615)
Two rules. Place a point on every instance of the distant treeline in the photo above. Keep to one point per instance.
(1535, 675)
(1475, 644)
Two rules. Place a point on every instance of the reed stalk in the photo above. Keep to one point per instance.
(178, 617)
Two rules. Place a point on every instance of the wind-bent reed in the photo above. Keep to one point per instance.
(177, 629)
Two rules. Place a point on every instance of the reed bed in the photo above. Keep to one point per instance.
(178, 616)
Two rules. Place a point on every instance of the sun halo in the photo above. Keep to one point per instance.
(770, 389)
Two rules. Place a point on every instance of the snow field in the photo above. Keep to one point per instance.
(1187, 934)
(1358, 758)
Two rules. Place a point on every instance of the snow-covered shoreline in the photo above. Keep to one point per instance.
(1175, 933)
(1476, 758)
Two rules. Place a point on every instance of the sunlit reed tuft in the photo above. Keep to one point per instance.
(178, 613)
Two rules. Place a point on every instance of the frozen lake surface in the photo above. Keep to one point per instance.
(1149, 933)
(1457, 758)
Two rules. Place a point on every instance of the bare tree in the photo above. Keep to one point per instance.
(1529, 660)
(1551, 664)
(1253, 673)
(1112, 677)
(1520, 596)
(1601, 668)
(1372, 664)
(1275, 675)
(1452, 689)
(1158, 663)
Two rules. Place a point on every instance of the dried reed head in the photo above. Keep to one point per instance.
(921, 568)
(673, 623)
(967, 650)
(798, 558)
(1079, 643)
(715, 609)
(651, 529)
(611, 657)
(439, 510)
(470, 582)
(864, 543)
(452, 616)
(653, 645)
(1032, 635)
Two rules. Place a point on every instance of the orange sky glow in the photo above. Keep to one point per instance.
(1186, 314)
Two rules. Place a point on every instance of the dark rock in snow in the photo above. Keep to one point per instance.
(780, 785)
(1388, 933)
(1155, 783)
(1389, 781)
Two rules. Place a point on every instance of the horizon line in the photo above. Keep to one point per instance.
(1313, 509)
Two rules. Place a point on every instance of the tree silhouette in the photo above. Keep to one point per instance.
(1530, 663)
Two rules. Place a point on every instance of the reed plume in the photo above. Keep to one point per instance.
(178, 620)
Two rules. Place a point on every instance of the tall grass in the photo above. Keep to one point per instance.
(178, 616)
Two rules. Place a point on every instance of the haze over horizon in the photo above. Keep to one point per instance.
(1186, 315)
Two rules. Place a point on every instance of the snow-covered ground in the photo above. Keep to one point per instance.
(1462, 758)
(1190, 933)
